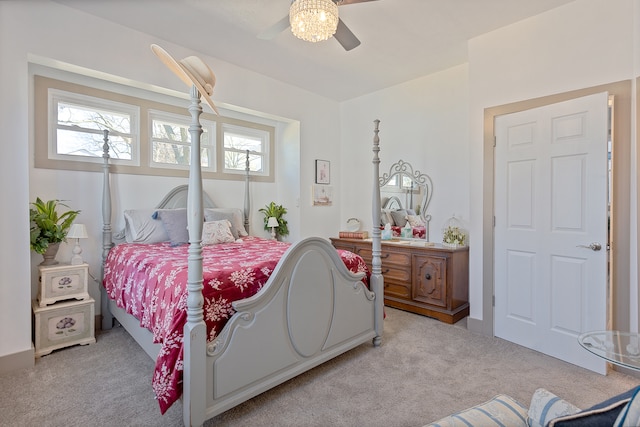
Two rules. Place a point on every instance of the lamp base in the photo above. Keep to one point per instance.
(77, 258)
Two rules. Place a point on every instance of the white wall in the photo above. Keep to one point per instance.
(423, 122)
(47, 32)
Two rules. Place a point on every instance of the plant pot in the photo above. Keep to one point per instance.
(50, 254)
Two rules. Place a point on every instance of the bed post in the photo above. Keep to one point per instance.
(377, 280)
(195, 330)
(107, 241)
(247, 201)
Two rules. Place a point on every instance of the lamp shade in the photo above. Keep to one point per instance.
(77, 231)
(273, 222)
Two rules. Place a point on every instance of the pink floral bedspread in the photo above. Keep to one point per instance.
(149, 281)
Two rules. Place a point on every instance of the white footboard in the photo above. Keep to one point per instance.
(311, 310)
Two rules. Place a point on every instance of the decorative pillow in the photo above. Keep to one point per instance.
(399, 217)
(630, 414)
(385, 217)
(140, 227)
(411, 212)
(546, 406)
(214, 232)
(602, 414)
(501, 411)
(174, 222)
(234, 215)
(415, 221)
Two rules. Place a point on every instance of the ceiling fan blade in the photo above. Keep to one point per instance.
(345, 37)
(275, 29)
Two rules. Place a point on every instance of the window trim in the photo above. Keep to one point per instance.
(42, 85)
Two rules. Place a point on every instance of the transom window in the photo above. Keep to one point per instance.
(237, 141)
(171, 142)
(78, 122)
(145, 136)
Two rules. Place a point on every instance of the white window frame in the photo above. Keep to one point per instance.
(262, 134)
(56, 96)
(208, 125)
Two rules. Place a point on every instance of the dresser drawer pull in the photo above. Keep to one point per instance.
(385, 256)
(427, 276)
(386, 271)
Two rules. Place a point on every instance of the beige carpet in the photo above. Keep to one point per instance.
(424, 370)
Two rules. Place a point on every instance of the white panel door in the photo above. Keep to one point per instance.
(550, 205)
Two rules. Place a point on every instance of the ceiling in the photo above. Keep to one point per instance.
(401, 39)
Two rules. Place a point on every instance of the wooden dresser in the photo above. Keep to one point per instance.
(428, 280)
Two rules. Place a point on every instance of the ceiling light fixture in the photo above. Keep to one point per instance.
(313, 20)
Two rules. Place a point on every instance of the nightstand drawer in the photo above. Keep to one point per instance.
(62, 282)
(63, 324)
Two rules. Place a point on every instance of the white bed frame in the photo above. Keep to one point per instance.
(311, 309)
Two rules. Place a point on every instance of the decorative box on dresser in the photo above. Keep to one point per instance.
(424, 278)
(63, 312)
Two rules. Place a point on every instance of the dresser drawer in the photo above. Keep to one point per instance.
(62, 325)
(388, 258)
(62, 282)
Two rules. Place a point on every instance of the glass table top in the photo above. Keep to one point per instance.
(619, 348)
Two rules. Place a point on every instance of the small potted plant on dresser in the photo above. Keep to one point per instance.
(63, 310)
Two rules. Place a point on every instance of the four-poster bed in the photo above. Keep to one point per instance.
(310, 309)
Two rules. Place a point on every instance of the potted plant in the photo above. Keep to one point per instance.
(49, 227)
(277, 212)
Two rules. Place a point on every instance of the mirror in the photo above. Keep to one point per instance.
(405, 196)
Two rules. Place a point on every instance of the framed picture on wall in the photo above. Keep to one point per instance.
(323, 172)
(322, 195)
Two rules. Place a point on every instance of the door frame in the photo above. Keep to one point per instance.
(620, 200)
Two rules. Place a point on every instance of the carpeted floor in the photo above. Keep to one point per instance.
(423, 371)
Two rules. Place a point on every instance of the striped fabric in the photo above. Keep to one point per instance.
(546, 406)
(501, 411)
(630, 415)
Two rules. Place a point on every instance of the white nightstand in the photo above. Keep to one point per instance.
(63, 324)
(64, 312)
(62, 282)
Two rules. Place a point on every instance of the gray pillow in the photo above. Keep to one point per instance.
(140, 227)
(399, 217)
(174, 222)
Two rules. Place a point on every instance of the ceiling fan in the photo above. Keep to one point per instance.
(343, 34)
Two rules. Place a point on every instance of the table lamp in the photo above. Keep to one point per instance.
(273, 223)
(77, 231)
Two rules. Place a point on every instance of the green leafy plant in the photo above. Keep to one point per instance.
(47, 224)
(276, 211)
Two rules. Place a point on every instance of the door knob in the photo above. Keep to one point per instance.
(594, 246)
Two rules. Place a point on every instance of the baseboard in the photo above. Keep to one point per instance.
(18, 361)
(480, 326)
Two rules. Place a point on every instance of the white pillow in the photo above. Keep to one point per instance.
(234, 215)
(415, 221)
(214, 232)
(140, 227)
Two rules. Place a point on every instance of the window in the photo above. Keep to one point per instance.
(78, 122)
(146, 137)
(237, 141)
(171, 142)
